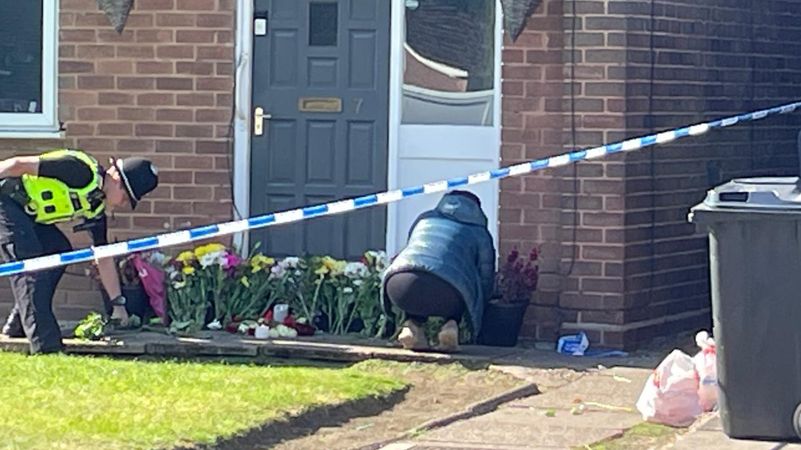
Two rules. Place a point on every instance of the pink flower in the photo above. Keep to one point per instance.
(231, 261)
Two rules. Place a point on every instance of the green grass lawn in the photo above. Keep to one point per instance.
(70, 402)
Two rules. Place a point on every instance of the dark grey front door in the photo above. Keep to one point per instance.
(321, 77)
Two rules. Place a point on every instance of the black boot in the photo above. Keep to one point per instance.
(13, 326)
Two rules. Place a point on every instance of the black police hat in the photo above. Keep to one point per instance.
(139, 175)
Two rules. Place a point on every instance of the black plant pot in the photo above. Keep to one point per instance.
(137, 302)
(501, 324)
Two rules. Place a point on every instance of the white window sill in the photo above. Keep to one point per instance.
(32, 134)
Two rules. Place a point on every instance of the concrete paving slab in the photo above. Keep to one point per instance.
(449, 446)
(548, 358)
(510, 427)
(717, 440)
(618, 388)
(713, 424)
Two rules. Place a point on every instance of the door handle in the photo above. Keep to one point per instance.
(258, 120)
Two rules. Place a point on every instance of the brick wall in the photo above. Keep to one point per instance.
(640, 268)
(581, 265)
(161, 89)
(711, 59)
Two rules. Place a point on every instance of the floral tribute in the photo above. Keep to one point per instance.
(214, 287)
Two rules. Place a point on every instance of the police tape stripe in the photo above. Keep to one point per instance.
(347, 205)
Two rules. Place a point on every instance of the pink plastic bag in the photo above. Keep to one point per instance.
(670, 395)
(153, 283)
(705, 363)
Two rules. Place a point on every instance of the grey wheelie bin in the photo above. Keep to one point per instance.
(754, 228)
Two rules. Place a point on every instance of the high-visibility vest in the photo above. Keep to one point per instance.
(52, 201)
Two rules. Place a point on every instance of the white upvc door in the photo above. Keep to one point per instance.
(444, 121)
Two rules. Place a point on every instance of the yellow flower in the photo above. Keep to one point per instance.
(333, 266)
(208, 248)
(185, 257)
(330, 266)
(188, 270)
(259, 262)
(245, 282)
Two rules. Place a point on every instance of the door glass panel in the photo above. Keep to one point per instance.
(323, 24)
(449, 62)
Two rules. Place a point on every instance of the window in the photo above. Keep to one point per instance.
(28, 31)
(323, 24)
(449, 62)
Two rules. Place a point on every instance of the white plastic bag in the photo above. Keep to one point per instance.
(705, 363)
(670, 395)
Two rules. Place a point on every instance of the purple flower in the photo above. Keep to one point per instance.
(230, 262)
(518, 278)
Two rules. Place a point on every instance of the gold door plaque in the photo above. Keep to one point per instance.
(320, 104)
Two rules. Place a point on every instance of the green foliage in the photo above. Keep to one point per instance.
(91, 328)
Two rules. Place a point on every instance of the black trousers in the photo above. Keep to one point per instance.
(422, 295)
(21, 238)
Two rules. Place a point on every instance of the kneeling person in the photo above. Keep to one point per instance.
(446, 270)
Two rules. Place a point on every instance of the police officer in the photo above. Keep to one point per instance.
(37, 192)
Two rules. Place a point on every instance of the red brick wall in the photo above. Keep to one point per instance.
(640, 268)
(581, 266)
(162, 89)
(712, 59)
(532, 123)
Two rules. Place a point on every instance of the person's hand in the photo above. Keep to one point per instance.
(121, 315)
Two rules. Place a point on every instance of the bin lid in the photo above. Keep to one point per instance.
(757, 193)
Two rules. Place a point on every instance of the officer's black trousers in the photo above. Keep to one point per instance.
(20, 238)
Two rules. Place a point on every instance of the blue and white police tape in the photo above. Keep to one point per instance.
(382, 198)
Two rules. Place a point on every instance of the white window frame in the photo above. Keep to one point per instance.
(46, 123)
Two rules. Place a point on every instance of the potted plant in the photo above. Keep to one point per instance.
(515, 282)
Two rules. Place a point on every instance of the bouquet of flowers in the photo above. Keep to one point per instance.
(367, 276)
(250, 290)
(293, 283)
(186, 295)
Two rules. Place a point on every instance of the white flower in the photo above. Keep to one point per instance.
(178, 284)
(285, 331)
(211, 258)
(381, 259)
(348, 290)
(290, 262)
(277, 271)
(355, 270)
(215, 325)
(378, 257)
(357, 282)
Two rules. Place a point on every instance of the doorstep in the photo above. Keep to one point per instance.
(223, 344)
